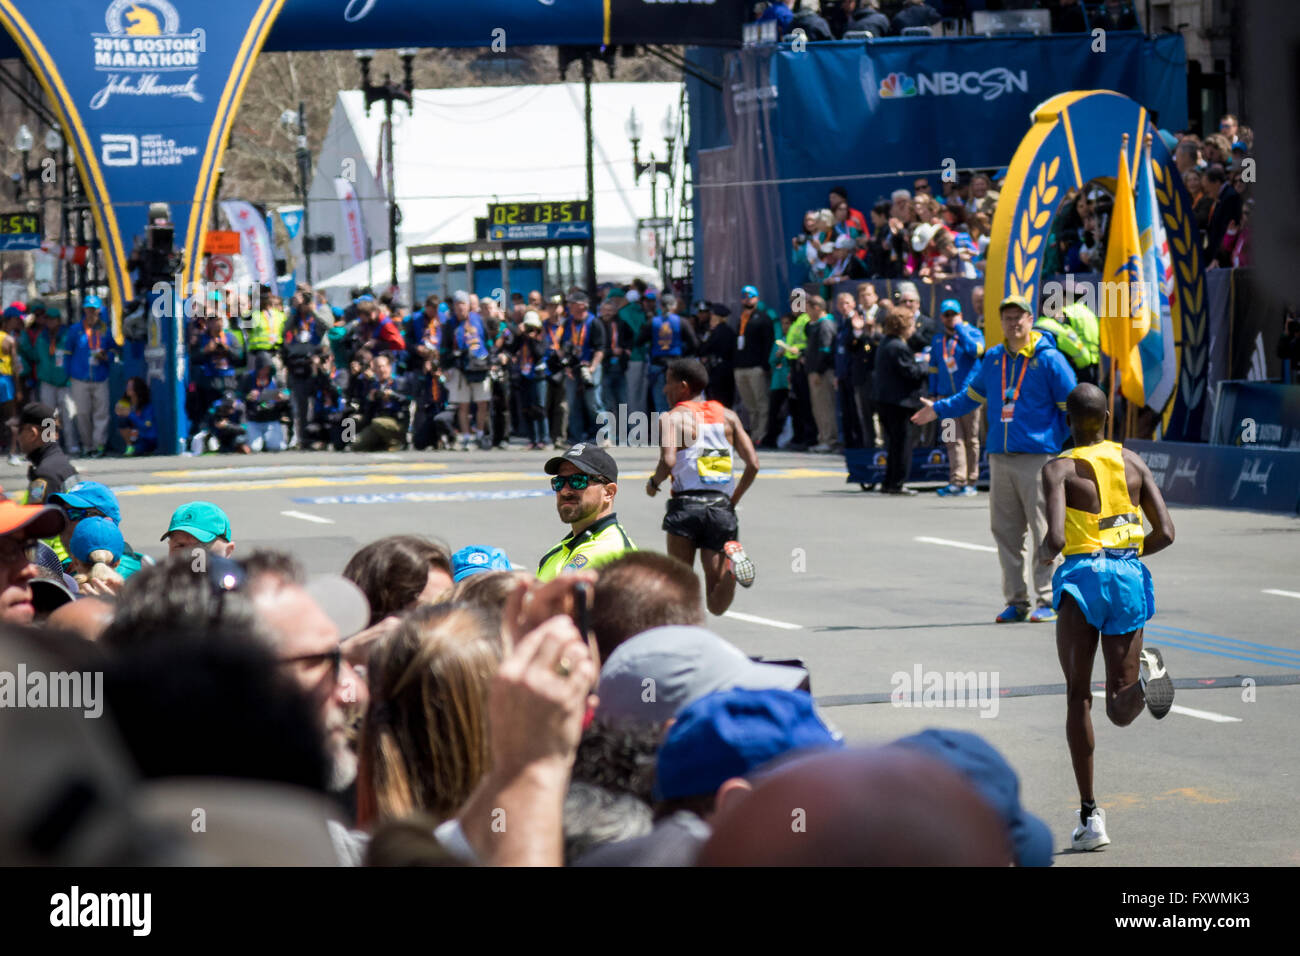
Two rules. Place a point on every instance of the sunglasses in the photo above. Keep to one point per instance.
(80, 514)
(577, 482)
(309, 661)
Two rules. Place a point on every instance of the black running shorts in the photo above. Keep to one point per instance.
(705, 518)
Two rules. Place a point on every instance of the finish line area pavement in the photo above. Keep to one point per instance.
(864, 587)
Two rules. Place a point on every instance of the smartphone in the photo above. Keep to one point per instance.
(792, 662)
(582, 608)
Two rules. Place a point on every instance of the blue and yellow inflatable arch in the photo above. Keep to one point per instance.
(1075, 138)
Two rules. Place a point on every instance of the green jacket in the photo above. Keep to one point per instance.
(634, 315)
(777, 360)
(47, 366)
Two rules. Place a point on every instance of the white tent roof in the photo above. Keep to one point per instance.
(461, 149)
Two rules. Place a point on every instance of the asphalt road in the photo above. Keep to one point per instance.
(865, 588)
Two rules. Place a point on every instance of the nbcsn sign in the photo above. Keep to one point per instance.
(990, 84)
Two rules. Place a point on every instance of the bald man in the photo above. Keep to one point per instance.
(885, 807)
(1102, 591)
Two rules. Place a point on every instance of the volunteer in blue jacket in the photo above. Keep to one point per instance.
(669, 336)
(953, 353)
(1025, 382)
(90, 351)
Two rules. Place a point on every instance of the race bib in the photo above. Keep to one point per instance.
(714, 467)
(1008, 411)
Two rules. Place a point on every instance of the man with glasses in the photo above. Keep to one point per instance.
(585, 483)
(90, 499)
(21, 527)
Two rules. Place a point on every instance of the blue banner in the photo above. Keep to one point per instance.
(1223, 476)
(291, 216)
(145, 91)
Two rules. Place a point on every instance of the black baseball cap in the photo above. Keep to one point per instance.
(720, 310)
(588, 458)
(34, 413)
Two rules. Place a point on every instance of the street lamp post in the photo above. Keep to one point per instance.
(303, 156)
(654, 167)
(388, 93)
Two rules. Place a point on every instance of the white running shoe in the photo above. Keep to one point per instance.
(15, 461)
(1093, 835)
(742, 568)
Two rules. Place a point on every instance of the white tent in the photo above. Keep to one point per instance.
(461, 149)
(610, 267)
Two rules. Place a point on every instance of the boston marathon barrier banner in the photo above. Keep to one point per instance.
(145, 91)
(1223, 476)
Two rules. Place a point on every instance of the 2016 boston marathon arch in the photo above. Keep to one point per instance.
(1076, 138)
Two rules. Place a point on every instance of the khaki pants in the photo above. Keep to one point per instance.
(964, 449)
(752, 384)
(1017, 506)
(821, 386)
(91, 401)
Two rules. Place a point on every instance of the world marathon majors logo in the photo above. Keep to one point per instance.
(990, 84)
(144, 38)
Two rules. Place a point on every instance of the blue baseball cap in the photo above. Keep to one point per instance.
(950, 305)
(748, 291)
(990, 774)
(90, 494)
(92, 302)
(202, 519)
(95, 534)
(731, 733)
(477, 558)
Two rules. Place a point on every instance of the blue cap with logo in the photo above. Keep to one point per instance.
(90, 494)
(950, 305)
(990, 774)
(477, 558)
(730, 733)
(92, 302)
(95, 534)
(748, 291)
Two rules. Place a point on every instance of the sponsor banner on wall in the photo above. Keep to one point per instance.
(1224, 476)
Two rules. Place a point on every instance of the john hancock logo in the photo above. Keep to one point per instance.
(144, 41)
(897, 84)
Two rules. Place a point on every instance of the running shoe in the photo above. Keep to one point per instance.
(1157, 685)
(948, 490)
(1013, 614)
(15, 461)
(968, 491)
(1042, 615)
(742, 569)
(820, 449)
(1092, 835)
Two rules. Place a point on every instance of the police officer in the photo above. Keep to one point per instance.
(669, 336)
(585, 483)
(38, 437)
(1078, 336)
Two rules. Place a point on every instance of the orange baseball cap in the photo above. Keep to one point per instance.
(39, 521)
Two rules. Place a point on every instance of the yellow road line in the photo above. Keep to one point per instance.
(483, 477)
(218, 472)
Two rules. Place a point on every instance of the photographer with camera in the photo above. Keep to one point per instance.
(328, 402)
(266, 405)
(530, 365)
(429, 389)
(466, 359)
(387, 410)
(584, 351)
(212, 362)
(556, 383)
(501, 332)
(303, 334)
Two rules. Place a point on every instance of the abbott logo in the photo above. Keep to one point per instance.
(119, 149)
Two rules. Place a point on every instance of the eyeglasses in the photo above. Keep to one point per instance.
(80, 514)
(578, 482)
(17, 551)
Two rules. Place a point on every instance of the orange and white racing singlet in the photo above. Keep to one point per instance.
(705, 465)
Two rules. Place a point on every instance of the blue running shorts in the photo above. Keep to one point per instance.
(1112, 588)
(6, 388)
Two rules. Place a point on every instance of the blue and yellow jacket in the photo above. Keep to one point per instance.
(1038, 424)
(965, 345)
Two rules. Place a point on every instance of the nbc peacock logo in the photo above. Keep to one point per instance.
(897, 85)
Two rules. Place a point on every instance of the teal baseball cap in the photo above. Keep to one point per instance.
(90, 494)
(204, 520)
(950, 305)
(477, 559)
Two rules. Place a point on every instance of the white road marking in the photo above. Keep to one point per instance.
(755, 619)
(1294, 594)
(957, 544)
(1192, 712)
(306, 517)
